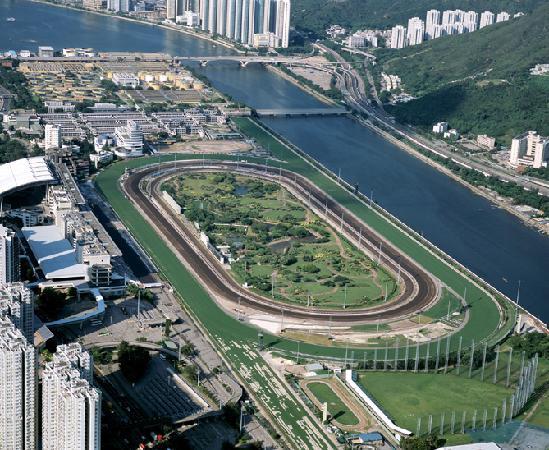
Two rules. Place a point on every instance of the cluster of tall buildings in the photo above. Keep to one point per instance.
(530, 149)
(439, 24)
(70, 407)
(258, 23)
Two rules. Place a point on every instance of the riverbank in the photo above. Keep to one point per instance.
(189, 32)
(486, 193)
(318, 95)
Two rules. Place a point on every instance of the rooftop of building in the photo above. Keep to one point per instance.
(56, 256)
(23, 173)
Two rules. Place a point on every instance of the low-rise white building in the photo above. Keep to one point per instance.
(440, 127)
(124, 79)
(486, 141)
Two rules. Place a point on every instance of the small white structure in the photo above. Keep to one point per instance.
(45, 52)
(124, 79)
(101, 158)
(451, 134)
(486, 141)
(440, 127)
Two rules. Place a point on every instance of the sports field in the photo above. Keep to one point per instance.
(336, 408)
(408, 396)
(277, 247)
(484, 320)
(235, 339)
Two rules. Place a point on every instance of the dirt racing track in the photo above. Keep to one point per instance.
(419, 290)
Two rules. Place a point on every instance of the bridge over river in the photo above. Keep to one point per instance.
(290, 112)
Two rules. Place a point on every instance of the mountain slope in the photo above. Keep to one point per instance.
(316, 15)
(479, 82)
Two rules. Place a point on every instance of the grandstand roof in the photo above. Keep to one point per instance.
(24, 173)
(55, 254)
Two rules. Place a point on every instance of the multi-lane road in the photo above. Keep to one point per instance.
(419, 289)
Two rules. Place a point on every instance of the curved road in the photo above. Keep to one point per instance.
(420, 290)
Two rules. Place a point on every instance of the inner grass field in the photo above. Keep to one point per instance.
(407, 396)
(278, 248)
(337, 409)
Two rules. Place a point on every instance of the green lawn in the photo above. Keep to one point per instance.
(273, 237)
(440, 309)
(336, 408)
(408, 396)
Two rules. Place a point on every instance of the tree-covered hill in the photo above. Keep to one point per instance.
(316, 15)
(479, 82)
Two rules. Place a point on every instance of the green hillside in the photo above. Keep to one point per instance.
(479, 82)
(316, 15)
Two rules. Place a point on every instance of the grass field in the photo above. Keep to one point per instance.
(336, 408)
(279, 248)
(408, 396)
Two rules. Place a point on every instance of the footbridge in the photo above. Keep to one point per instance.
(305, 112)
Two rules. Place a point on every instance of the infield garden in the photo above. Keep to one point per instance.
(277, 247)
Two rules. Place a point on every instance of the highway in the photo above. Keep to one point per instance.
(419, 288)
(352, 86)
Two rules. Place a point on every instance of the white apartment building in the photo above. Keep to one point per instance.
(17, 389)
(432, 21)
(241, 20)
(530, 149)
(503, 16)
(416, 31)
(53, 137)
(129, 140)
(17, 304)
(470, 21)
(398, 36)
(9, 256)
(283, 8)
(487, 18)
(71, 406)
(440, 127)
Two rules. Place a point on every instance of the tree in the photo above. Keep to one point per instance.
(133, 361)
(167, 327)
(51, 301)
(430, 442)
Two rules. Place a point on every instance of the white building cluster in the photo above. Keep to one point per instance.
(530, 149)
(258, 23)
(71, 406)
(439, 24)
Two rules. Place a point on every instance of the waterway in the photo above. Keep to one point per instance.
(492, 243)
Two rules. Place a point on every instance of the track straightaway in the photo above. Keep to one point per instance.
(419, 287)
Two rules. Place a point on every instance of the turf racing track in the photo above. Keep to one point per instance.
(419, 288)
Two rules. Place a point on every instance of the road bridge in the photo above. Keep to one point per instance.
(245, 60)
(292, 112)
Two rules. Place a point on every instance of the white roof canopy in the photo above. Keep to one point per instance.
(24, 173)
